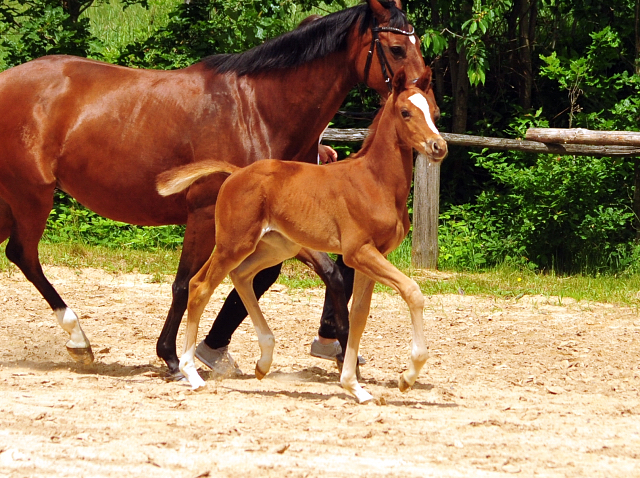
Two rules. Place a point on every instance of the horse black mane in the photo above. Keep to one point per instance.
(309, 42)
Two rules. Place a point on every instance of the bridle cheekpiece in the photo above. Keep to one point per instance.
(387, 71)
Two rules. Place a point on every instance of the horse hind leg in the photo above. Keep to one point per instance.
(24, 225)
(6, 221)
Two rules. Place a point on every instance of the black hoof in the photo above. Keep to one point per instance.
(174, 376)
(83, 356)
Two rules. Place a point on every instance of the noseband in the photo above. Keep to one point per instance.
(387, 71)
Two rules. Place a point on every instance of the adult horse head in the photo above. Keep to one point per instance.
(103, 133)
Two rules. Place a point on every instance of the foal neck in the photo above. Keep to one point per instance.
(388, 159)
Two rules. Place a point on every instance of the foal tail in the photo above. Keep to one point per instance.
(179, 179)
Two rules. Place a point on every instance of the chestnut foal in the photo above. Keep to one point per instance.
(270, 210)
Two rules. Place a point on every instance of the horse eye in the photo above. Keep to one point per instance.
(398, 52)
(405, 114)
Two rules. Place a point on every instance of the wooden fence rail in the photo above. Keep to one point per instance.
(426, 211)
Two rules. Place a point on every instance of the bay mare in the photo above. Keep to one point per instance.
(270, 210)
(102, 133)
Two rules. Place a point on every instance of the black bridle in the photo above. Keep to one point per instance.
(387, 71)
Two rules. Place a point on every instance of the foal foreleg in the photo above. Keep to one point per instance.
(370, 261)
(362, 292)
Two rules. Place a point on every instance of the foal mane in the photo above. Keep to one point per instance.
(366, 144)
(309, 42)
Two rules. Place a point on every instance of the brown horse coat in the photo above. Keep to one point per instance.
(103, 133)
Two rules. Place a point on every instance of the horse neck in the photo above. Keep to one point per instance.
(387, 158)
(299, 103)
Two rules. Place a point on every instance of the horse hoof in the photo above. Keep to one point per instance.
(175, 376)
(403, 385)
(259, 373)
(83, 355)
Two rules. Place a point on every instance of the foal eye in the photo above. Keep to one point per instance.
(405, 114)
(398, 51)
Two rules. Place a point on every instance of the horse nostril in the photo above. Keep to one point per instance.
(438, 147)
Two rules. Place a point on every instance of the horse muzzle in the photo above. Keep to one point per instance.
(435, 149)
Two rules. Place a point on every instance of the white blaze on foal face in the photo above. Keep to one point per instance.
(421, 102)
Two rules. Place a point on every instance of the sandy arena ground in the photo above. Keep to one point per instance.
(528, 387)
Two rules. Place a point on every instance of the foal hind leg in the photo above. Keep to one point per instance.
(198, 244)
(201, 287)
(29, 218)
(362, 292)
(272, 250)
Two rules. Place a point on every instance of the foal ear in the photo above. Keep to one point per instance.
(380, 11)
(399, 81)
(424, 82)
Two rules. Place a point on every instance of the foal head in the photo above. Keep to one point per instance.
(415, 113)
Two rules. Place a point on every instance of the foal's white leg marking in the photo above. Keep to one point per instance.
(419, 350)
(189, 369)
(68, 320)
(272, 249)
(421, 102)
(362, 291)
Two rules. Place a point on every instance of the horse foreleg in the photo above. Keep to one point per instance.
(370, 261)
(199, 241)
(362, 292)
(27, 220)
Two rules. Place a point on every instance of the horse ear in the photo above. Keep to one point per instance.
(424, 82)
(399, 81)
(382, 13)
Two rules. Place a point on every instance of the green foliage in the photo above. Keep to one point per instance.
(34, 28)
(544, 212)
(117, 27)
(198, 29)
(610, 97)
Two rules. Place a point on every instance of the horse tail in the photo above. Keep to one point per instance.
(178, 179)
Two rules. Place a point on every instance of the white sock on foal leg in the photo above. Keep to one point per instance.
(189, 369)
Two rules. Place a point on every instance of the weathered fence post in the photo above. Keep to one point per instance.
(426, 209)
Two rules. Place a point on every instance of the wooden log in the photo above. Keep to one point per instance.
(426, 211)
(583, 136)
(357, 135)
(354, 135)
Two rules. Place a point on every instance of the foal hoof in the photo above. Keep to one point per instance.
(403, 385)
(259, 373)
(83, 356)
